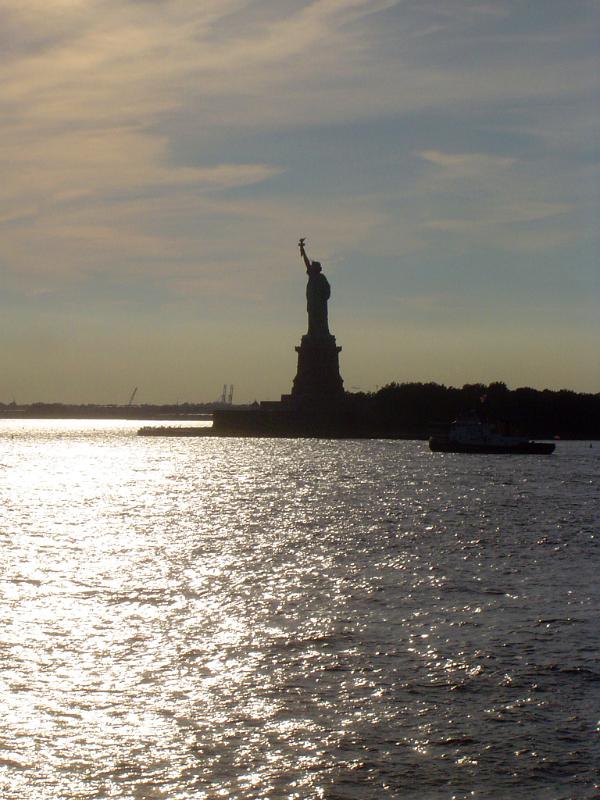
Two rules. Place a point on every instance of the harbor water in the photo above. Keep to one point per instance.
(253, 618)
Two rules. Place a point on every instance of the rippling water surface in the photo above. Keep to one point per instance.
(205, 618)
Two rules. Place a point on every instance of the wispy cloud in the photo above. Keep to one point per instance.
(72, 164)
(466, 165)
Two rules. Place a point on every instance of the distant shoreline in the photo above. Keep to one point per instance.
(93, 411)
(414, 410)
(60, 411)
(123, 415)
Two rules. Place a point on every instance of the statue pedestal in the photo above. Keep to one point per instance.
(318, 380)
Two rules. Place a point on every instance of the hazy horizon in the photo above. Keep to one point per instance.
(160, 161)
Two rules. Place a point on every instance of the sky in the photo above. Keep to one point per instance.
(161, 158)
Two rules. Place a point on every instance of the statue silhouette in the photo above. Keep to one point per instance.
(318, 293)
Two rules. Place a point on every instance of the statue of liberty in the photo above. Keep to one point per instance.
(318, 293)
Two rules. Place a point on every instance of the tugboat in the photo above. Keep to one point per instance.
(471, 435)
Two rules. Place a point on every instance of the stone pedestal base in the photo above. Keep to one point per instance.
(318, 379)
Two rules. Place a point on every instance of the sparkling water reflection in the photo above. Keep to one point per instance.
(294, 619)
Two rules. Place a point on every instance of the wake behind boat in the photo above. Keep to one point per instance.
(471, 435)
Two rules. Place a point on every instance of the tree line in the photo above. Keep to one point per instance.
(423, 407)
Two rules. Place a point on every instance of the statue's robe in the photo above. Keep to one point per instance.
(318, 293)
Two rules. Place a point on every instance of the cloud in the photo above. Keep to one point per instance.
(486, 199)
(83, 89)
(321, 62)
(109, 64)
(73, 164)
(518, 212)
(466, 165)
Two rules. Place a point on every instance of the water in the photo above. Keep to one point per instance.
(294, 619)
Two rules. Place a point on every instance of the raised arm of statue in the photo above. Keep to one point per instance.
(303, 254)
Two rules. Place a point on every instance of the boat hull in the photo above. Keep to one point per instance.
(440, 445)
